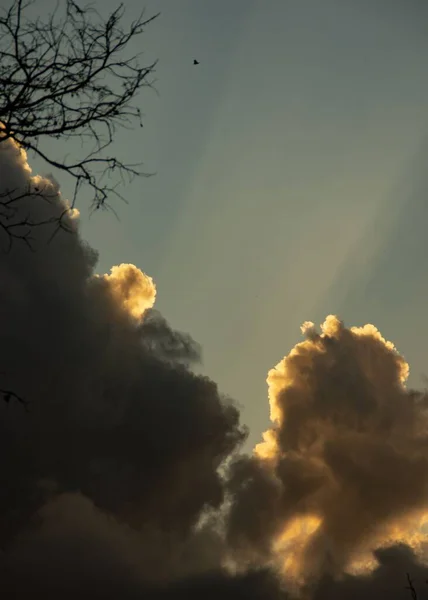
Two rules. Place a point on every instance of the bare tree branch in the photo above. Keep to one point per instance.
(18, 226)
(65, 77)
(411, 588)
(9, 395)
(69, 77)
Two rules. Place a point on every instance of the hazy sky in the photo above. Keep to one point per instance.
(290, 186)
(289, 178)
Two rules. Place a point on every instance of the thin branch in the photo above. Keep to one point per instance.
(9, 395)
(411, 587)
(71, 77)
(18, 227)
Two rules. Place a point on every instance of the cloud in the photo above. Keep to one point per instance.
(387, 580)
(119, 425)
(124, 478)
(132, 290)
(74, 549)
(344, 468)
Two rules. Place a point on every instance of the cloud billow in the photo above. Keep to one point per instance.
(124, 478)
(118, 424)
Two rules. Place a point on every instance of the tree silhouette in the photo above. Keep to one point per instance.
(68, 77)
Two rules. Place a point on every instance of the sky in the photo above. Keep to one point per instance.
(289, 186)
(289, 170)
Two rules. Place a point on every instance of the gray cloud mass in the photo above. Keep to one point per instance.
(124, 478)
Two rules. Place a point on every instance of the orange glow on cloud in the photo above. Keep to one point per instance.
(133, 289)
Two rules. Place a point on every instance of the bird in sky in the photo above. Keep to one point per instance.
(195, 62)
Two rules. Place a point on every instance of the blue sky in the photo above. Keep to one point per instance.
(290, 178)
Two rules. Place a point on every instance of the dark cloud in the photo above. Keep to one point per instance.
(123, 479)
(388, 580)
(116, 415)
